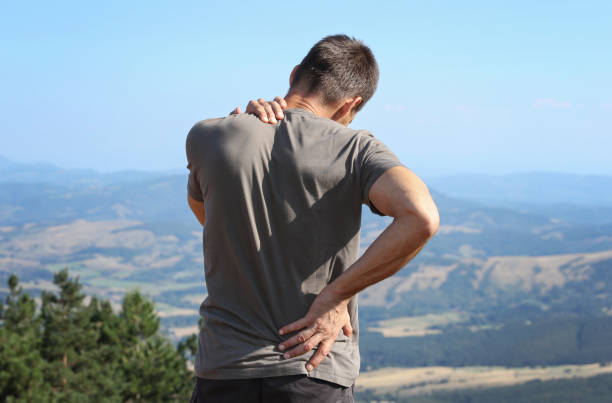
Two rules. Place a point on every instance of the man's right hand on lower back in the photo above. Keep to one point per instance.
(398, 193)
(320, 327)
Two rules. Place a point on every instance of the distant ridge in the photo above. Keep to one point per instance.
(514, 190)
(509, 190)
(584, 199)
(19, 172)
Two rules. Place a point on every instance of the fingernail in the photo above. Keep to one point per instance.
(309, 367)
(286, 355)
(281, 347)
(264, 119)
(273, 121)
(280, 332)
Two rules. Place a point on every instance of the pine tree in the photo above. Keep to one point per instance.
(72, 352)
(153, 369)
(77, 369)
(156, 372)
(18, 314)
(107, 324)
(138, 319)
(21, 365)
(190, 344)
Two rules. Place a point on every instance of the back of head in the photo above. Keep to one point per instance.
(337, 67)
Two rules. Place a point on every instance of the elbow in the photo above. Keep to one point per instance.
(420, 221)
(427, 223)
(432, 222)
(417, 229)
(432, 228)
(428, 226)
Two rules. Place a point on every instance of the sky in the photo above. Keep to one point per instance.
(465, 87)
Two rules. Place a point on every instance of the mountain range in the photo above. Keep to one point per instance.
(124, 230)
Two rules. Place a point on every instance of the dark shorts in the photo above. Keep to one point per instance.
(285, 389)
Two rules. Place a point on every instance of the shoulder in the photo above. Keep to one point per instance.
(232, 121)
(372, 151)
(367, 142)
(201, 129)
(364, 136)
(206, 124)
(207, 129)
(367, 139)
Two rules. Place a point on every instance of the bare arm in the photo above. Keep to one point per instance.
(398, 193)
(198, 209)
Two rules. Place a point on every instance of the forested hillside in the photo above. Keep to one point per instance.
(75, 348)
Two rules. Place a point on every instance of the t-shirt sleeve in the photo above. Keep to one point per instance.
(375, 158)
(193, 184)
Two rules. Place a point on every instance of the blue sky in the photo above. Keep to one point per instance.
(487, 87)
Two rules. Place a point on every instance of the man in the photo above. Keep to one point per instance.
(281, 207)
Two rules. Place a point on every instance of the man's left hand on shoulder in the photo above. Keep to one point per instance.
(267, 111)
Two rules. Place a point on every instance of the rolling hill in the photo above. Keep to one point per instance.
(500, 271)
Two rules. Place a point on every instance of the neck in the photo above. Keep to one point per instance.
(311, 104)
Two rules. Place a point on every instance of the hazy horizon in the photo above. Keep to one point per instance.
(464, 88)
(183, 170)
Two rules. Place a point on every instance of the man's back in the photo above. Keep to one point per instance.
(283, 208)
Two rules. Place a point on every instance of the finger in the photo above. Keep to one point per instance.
(324, 348)
(258, 110)
(347, 330)
(251, 106)
(299, 338)
(281, 101)
(304, 347)
(278, 110)
(236, 111)
(294, 327)
(268, 109)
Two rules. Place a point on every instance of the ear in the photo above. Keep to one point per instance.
(356, 102)
(292, 75)
(346, 111)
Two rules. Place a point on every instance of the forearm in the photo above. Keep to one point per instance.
(391, 251)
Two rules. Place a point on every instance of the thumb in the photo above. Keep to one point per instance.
(236, 111)
(347, 329)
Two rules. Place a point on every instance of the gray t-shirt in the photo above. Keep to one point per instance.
(283, 214)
